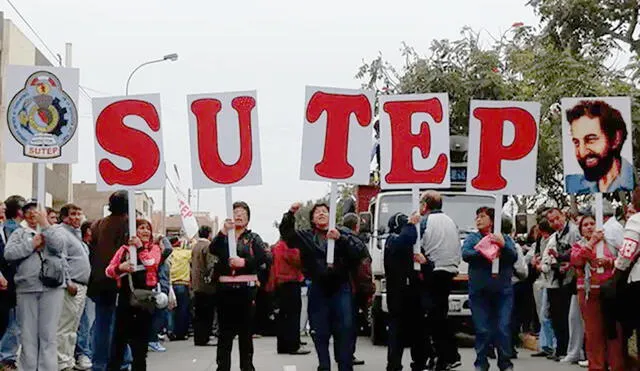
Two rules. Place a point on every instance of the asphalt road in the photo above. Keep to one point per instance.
(183, 356)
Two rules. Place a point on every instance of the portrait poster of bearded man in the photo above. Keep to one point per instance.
(597, 145)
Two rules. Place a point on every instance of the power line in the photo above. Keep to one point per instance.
(55, 56)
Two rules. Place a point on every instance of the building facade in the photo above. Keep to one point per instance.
(95, 205)
(173, 222)
(21, 179)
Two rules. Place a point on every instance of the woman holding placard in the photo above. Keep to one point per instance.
(603, 338)
(330, 293)
(237, 285)
(135, 304)
(490, 295)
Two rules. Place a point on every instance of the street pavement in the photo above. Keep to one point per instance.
(183, 356)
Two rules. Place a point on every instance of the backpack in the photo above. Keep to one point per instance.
(362, 274)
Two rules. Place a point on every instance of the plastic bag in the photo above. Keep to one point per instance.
(488, 248)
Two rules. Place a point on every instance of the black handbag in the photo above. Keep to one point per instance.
(51, 271)
(142, 298)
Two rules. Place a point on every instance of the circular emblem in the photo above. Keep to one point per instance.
(42, 117)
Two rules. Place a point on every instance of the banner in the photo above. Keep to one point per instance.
(414, 141)
(189, 221)
(42, 114)
(337, 135)
(225, 141)
(597, 145)
(128, 143)
(503, 147)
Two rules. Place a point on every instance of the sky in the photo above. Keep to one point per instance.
(275, 47)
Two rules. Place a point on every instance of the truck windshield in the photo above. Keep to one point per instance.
(459, 207)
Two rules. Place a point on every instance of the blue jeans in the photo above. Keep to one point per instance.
(332, 316)
(182, 313)
(491, 314)
(83, 343)
(547, 338)
(103, 333)
(11, 340)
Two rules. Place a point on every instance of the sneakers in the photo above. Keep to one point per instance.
(583, 364)
(83, 363)
(357, 362)
(454, 365)
(156, 347)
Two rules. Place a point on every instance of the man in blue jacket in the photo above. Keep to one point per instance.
(406, 293)
(490, 294)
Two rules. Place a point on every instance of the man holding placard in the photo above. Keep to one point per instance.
(237, 278)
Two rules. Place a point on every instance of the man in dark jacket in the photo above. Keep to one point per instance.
(237, 278)
(406, 293)
(107, 236)
(330, 294)
(9, 344)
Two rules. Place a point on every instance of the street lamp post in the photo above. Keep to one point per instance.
(131, 195)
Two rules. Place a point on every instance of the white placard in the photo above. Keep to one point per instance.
(42, 114)
(509, 165)
(121, 133)
(585, 138)
(317, 145)
(221, 122)
(406, 137)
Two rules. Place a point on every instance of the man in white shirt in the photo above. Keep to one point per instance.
(613, 230)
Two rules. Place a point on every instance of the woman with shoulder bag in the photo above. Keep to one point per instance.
(135, 296)
(594, 270)
(40, 287)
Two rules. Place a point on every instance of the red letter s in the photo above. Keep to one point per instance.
(117, 138)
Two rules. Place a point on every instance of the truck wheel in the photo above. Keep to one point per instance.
(378, 322)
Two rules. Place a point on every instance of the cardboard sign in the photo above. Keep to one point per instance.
(503, 147)
(42, 114)
(414, 141)
(128, 142)
(225, 141)
(597, 145)
(337, 135)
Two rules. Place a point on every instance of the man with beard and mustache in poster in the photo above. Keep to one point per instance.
(598, 133)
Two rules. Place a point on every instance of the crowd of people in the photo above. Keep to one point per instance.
(78, 294)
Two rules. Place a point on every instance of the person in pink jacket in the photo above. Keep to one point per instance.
(594, 268)
(133, 324)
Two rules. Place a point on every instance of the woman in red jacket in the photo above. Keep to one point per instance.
(133, 324)
(604, 345)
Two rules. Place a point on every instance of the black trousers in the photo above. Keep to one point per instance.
(132, 327)
(6, 303)
(444, 342)
(559, 302)
(204, 311)
(288, 318)
(407, 326)
(236, 312)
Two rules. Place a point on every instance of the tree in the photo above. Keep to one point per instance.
(522, 64)
(584, 25)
